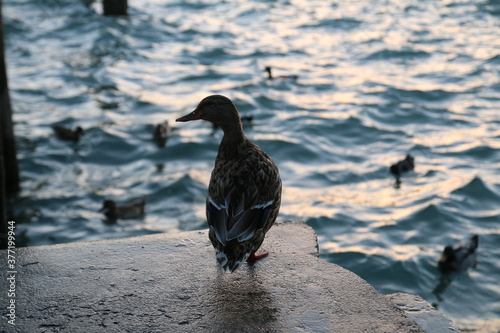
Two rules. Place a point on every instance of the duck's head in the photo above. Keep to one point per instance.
(161, 129)
(268, 70)
(107, 206)
(79, 131)
(217, 109)
(475, 240)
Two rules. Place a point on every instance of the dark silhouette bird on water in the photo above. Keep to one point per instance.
(244, 193)
(161, 132)
(68, 134)
(127, 211)
(246, 119)
(405, 165)
(459, 257)
(271, 77)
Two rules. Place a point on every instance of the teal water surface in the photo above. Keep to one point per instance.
(377, 80)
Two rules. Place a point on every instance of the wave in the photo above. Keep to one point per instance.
(478, 194)
(333, 24)
(404, 54)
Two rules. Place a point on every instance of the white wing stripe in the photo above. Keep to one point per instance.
(219, 207)
(269, 203)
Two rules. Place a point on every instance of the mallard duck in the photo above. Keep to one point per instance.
(403, 166)
(459, 257)
(271, 77)
(127, 211)
(161, 131)
(244, 193)
(68, 134)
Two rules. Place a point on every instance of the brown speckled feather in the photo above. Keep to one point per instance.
(244, 198)
(244, 194)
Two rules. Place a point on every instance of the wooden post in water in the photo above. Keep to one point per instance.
(114, 7)
(9, 170)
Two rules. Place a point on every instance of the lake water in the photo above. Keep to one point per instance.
(377, 80)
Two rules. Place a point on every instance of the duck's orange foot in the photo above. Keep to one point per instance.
(253, 257)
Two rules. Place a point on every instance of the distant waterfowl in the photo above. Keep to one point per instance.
(271, 77)
(459, 257)
(68, 134)
(244, 193)
(161, 131)
(246, 119)
(127, 211)
(403, 166)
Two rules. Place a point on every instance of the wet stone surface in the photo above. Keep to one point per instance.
(172, 283)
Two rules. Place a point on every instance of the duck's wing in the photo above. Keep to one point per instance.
(66, 133)
(132, 209)
(238, 216)
(243, 195)
(61, 131)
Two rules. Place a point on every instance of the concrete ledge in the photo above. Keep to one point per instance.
(171, 283)
(426, 316)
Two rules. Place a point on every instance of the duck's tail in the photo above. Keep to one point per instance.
(227, 263)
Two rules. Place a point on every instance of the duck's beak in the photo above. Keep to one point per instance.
(190, 116)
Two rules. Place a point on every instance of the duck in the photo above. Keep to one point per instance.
(271, 77)
(127, 211)
(246, 119)
(161, 131)
(68, 134)
(244, 192)
(405, 165)
(459, 257)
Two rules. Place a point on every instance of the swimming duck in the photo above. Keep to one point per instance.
(68, 134)
(127, 211)
(403, 166)
(161, 131)
(246, 119)
(270, 75)
(459, 257)
(244, 193)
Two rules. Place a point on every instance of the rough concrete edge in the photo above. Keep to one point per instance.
(425, 315)
(179, 234)
(314, 233)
